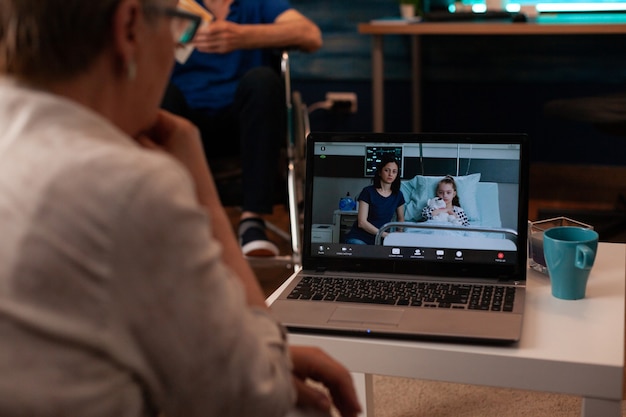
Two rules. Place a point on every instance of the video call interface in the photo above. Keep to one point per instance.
(487, 181)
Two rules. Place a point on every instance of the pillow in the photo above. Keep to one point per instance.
(418, 190)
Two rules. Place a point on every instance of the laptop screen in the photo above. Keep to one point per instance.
(481, 230)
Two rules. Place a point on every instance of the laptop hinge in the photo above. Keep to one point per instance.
(508, 281)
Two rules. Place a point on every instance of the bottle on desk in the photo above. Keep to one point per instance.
(347, 203)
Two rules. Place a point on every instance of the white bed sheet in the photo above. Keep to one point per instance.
(489, 214)
(447, 241)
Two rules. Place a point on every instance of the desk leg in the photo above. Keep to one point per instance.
(364, 386)
(416, 82)
(594, 407)
(378, 92)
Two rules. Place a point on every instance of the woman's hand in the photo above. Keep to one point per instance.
(176, 136)
(314, 364)
(180, 138)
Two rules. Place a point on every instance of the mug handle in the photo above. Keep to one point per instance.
(584, 257)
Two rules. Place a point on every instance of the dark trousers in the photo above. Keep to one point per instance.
(254, 127)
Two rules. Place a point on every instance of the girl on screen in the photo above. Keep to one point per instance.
(446, 190)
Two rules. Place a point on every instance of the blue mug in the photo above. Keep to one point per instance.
(570, 253)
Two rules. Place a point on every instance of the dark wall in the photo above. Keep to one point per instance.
(470, 83)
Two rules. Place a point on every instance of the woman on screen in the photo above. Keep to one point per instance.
(378, 203)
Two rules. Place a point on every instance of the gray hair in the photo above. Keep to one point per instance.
(52, 40)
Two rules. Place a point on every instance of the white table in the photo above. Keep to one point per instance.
(568, 347)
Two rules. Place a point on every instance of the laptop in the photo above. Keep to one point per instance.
(427, 280)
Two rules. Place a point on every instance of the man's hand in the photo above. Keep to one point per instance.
(314, 364)
(290, 30)
(219, 37)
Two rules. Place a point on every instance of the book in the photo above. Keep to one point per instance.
(192, 7)
(182, 52)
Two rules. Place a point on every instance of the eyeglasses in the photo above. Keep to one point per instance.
(183, 26)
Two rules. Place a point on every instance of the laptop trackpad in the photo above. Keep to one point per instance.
(366, 315)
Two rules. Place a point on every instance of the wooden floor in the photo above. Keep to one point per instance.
(592, 194)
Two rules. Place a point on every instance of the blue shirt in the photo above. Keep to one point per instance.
(209, 81)
(381, 211)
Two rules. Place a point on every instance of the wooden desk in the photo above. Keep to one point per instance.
(567, 347)
(416, 30)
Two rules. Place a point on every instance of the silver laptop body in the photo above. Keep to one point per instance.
(426, 279)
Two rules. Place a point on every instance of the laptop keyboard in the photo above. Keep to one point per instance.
(405, 293)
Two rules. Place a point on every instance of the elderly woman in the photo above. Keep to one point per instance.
(123, 291)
